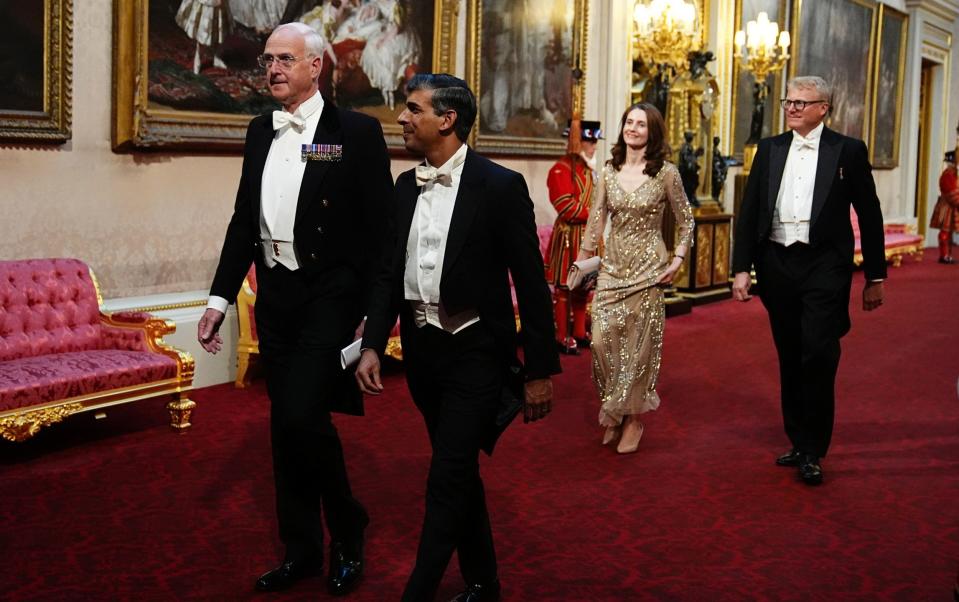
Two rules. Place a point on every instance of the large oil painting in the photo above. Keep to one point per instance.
(834, 39)
(890, 66)
(202, 83)
(525, 57)
(35, 64)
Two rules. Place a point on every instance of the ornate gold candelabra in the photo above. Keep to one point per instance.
(760, 50)
(664, 35)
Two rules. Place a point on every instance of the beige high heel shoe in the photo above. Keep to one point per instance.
(626, 447)
(612, 434)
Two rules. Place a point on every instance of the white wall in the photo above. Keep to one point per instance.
(151, 224)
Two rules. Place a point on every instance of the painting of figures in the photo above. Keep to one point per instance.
(528, 52)
(203, 52)
(200, 56)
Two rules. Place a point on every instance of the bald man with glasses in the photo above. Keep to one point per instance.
(794, 228)
(313, 214)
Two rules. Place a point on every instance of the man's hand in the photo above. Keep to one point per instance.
(368, 373)
(207, 331)
(741, 284)
(872, 295)
(539, 399)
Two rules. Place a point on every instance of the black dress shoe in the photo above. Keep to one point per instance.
(568, 348)
(479, 592)
(790, 458)
(809, 470)
(287, 574)
(584, 343)
(346, 567)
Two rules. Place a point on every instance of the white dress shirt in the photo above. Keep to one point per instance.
(426, 244)
(280, 190)
(794, 201)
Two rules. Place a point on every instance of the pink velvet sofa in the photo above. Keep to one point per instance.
(900, 240)
(61, 355)
(248, 348)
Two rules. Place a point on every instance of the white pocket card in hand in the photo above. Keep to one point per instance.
(350, 354)
(581, 271)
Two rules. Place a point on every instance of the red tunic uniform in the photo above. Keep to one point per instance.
(570, 184)
(946, 214)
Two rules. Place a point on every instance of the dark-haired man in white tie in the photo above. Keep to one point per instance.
(464, 225)
(313, 213)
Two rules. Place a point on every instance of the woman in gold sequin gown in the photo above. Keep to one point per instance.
(628, 312)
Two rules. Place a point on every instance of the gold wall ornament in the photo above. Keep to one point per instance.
(20, 427)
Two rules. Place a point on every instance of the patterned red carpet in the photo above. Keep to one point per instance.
(124, 509)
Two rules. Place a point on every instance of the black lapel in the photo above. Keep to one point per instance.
(407, 194)
(778, 151)
(261, 140)
(830, 145)
(328, 131)
(467, 202)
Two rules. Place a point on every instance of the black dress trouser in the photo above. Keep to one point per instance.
(456, 382)
(806, 293)
(302, 323)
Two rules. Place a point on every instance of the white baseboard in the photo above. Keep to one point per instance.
(185, 310)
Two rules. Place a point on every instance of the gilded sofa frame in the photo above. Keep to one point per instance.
(21, 424)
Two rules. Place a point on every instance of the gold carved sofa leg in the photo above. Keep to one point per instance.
(180, 410)
(242, 369)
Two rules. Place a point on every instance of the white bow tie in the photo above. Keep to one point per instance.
(281, 118)
(799, 142)
(426, 174)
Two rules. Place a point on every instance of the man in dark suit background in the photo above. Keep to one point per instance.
(794, 227)
(463, 225)
(313, 213)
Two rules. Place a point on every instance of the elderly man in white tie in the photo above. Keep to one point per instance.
(794, 229)
(313, 213)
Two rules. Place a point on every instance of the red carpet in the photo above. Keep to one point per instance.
(124, 509)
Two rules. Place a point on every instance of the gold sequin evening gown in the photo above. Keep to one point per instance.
(628, 311)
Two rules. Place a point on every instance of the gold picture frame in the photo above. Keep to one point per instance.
(888, 77)
(741, 90)
(519, 131)
(40, 111)
(840, 35)
(139, 123)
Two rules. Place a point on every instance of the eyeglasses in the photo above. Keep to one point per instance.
(799, 104)
(285, 60)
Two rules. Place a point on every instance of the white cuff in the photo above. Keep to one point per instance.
(218, 303)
